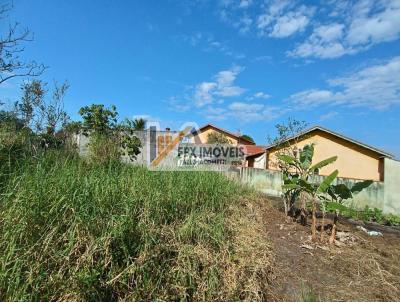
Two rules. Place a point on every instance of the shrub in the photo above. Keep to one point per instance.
(104, 148)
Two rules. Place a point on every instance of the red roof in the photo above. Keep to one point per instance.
(253, 150)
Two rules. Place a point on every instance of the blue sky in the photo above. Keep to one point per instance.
(243, 65)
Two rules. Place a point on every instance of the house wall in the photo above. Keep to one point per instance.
(258, 162)
(353, 161)
(204, 135)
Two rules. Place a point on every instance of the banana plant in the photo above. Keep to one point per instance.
(338, 194)
(297, 181)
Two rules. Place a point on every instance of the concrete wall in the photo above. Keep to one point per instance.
(353, 161)
(266, 181)
(381, 195)
(392, 186)
(143, 158)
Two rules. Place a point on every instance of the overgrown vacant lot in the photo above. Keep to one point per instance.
(71, 230)
(75, 231)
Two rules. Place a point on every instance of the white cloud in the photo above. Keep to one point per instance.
(312, 97)
(207, 43)
(260, 95)
(204, 93)
(222, 86)
(289, 24)
(375, 87)
(328, 116)
(368, 23)
(244, 24)
(245, 3)
(244, 112)
(369, 28)
(282, 19)
(324, 42)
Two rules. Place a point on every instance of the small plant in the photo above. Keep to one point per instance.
(130, 145)
(307, 294)
(392, 219)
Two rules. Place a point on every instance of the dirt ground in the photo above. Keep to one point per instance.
(364, 268)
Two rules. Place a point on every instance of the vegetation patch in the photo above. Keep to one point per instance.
(75, 230)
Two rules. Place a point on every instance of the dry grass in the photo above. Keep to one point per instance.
(368, 270)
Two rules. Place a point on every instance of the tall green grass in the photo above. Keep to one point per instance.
(73, 230)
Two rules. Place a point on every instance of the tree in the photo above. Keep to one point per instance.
(98, 119)
(108, 140)
(72, 127)
(285, 142)
(9, 120)
(32, 99)
(217, 138)
(11, 46)
(247, 137)
(137, 124)
(53, 112)
(39, 113)
(130, 143)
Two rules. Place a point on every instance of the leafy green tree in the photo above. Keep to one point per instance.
(139, 124)
(217, 138)
(247, 137)
(108, 140)
(72, 127)
(98, 119)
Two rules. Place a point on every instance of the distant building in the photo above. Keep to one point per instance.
(355, 159)
(201, 136)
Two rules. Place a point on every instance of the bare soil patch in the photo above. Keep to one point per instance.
(363, 269)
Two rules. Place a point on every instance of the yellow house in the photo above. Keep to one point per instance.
(355, 159)
(202, 133)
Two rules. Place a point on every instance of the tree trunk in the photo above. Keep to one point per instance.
(323, 224)
(333, 234)
(285, 202)
(303, 213)
(314, 221)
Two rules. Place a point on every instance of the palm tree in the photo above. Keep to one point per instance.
(134, 125)
(139, 124)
